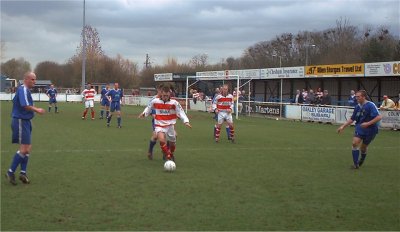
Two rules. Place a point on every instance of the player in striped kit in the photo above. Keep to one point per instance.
(88, 95)
(166, 110)
(223, 106)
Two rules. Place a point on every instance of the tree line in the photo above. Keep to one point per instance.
(343, 43)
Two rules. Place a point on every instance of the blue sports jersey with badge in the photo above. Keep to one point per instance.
(103, 93)
(21, 99)
(115, 94)
(52, 93)
(365, 113)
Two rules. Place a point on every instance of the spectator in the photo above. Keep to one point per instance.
(310, 97)
(326, 98)
(240, 103)
(398, 102)
(195, 96)
(305, 94)
(352, 99)
(318, 96)
(387, 103)
(299, 97)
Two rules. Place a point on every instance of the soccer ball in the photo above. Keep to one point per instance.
(169, 166)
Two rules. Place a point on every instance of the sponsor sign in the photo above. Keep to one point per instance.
(245, 73)
(343, 114)
(163, 77)
(131, 100)
(212, 75)
(264, 108)
(278, 73)
(335, 70)
(382, 69)
(318, 114)
(390, 119)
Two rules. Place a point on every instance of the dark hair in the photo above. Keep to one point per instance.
(165, 89)
(363, 93)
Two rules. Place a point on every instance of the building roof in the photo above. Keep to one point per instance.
(38, 82)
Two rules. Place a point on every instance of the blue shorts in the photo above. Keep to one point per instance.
(21, 131)
(105, 102)
(152, 124)
(115, 106)
(366, 139)
(52, 100)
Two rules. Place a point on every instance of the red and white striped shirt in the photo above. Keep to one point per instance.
(89, 94)
(166, 113)
(223, 103)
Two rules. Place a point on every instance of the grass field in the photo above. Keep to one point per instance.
(280, 175)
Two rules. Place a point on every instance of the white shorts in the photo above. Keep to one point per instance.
(169, 132)
(89, 103)
(224, 116)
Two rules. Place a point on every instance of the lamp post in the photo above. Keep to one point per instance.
(307, 46)
(281, 86)
(83, 49)
(280, 60)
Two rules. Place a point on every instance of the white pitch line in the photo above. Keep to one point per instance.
(207, 149)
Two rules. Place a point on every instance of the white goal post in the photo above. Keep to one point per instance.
(214, 78)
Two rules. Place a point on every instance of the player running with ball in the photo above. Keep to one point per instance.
(166, 111)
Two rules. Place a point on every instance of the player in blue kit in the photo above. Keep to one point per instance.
(22, 113)
(104, 102)
(52, 94)
(366, 116)
(115, 97)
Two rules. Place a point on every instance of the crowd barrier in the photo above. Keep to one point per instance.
(325, 114)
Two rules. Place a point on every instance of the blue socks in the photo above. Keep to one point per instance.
(24, 163)
(101, 113)
(356, 153)
(228, 132)
(363, 156)
(151, 146)
(17, 160)
(119, 121)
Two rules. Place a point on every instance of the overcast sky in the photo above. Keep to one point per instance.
(50, 30)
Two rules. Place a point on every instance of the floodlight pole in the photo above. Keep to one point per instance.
(83, 49)
(237, 97)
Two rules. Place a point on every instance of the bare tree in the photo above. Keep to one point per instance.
(94, 52)
(15, 68)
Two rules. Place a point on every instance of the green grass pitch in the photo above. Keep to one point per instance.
(280, 175)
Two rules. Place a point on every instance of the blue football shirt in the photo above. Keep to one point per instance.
(52, 93)
(21, 99)
(365, 113)
(115, 94)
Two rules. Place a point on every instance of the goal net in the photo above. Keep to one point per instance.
(200, 91)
